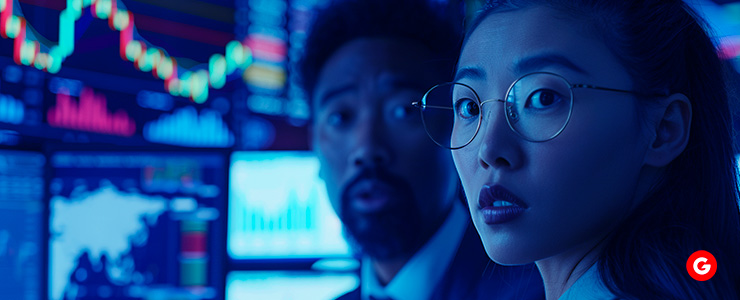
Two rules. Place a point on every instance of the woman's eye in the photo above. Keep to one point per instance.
(543, 99)
(466, 108)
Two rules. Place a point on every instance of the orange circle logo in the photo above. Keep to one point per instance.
(701, 265)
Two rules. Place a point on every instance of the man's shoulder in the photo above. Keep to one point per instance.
(472, 275)
(352, 295)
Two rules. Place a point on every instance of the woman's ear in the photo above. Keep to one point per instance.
(671, 132)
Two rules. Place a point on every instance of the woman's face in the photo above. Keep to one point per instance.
(567, 192)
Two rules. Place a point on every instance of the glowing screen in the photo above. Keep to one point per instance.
(288, 285)
(21, 219)
(135, 225)
(278, 208)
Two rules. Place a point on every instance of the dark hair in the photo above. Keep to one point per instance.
(437, 25)
(665, 47)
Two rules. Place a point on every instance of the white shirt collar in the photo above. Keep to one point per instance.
(425, 268)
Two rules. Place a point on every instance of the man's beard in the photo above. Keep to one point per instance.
(395, 230)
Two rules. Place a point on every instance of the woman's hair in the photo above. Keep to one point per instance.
(665, 47)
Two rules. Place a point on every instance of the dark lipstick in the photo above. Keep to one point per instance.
(498, 205)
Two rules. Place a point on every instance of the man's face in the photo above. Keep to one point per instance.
(389, 183)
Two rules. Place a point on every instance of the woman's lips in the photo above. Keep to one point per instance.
(498, 205)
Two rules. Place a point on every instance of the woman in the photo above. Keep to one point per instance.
(593, 138)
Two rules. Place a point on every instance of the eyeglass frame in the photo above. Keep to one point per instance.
(418, 104)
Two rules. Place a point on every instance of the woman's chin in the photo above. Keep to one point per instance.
(507, 256)
(502, 246)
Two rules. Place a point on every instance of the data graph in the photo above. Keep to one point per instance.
(278, 208)
(267, 41)
(11, 110)
(194, 253)
(150, 60)
(186, 127)
(179, 81)
(90, 114)
(295, 216)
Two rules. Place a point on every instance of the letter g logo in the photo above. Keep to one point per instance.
(701, 265)
(704, 269)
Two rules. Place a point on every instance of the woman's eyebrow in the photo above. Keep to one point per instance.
(470, 73)
(539, 62)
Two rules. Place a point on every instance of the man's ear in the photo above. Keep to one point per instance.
(671, 131)
(309, 136)
(313, 147)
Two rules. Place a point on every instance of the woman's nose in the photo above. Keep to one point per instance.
(497, 144)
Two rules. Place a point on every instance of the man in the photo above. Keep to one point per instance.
(395, 191)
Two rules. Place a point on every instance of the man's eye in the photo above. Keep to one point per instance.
(403, 111)
(338, 118)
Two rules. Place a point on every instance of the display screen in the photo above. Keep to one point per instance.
(278, 208)
(188, 73)
(135, 225)
(288, 285)
(21, 224)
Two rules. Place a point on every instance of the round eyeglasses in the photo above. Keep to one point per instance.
(537, 107)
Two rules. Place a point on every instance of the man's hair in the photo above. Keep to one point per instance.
(438, 25)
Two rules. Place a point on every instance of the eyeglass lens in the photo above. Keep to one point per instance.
(537, 107)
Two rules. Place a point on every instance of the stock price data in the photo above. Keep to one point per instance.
(132, 72)
(120, 72)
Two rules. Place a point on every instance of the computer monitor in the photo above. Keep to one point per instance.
(190, 73)
(278, 208)
(136, 225)
(305, 285)
(21, 224)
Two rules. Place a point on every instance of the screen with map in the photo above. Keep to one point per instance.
(136, 225)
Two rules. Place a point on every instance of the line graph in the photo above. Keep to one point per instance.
(191, 83)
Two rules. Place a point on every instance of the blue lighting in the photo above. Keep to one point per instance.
(11, 110)
(278, 208)
(185, 127)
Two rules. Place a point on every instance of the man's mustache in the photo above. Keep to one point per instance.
(379, 174)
